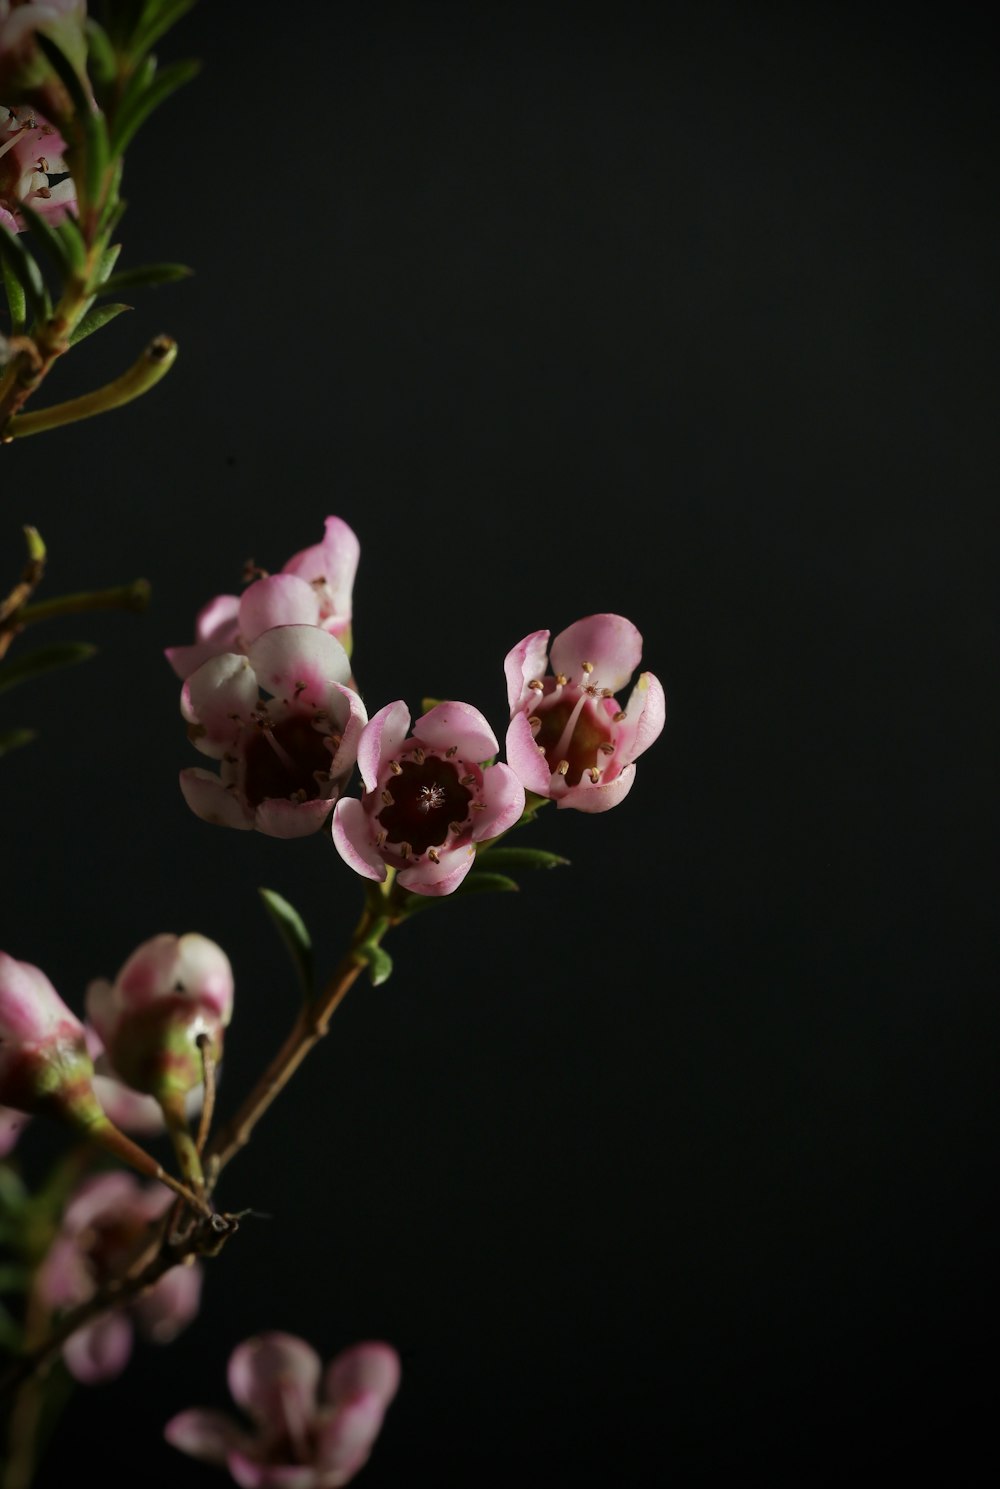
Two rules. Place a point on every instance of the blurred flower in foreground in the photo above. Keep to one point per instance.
(105, 1223)
(428, 798)
(569, 739)
(30, 152)
(282, 759)
(26, 77)
(44, 1065)
(11, 1123)
(171, 991)
(314, 588)
(296, 1442)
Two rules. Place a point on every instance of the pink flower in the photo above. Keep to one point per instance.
(104, 1222)
(11, 1125)
(283, 760)
(25, 75)
(314, 589)
(296, 1441)
(44, 1065)
(170, 992)
(569, 738)
(428, 797)
(31, 151)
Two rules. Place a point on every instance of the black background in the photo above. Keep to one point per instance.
(679, 1167)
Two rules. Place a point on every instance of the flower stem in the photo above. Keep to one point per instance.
(134, 596)
(107, 1135)
(154, 364)
(175, 1116)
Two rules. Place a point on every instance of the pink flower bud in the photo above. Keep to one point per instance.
(44, 1065)
(295, 1438)
(172, 992)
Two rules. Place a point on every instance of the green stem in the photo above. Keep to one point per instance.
(175, 1116)
(134, 596)
(107, 1135)
(154, 364)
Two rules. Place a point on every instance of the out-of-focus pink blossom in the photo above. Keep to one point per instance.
(314, 588)
(569, 738)
(44, 1065)
(31, 151)
(282, 759)
(25, 74)
(297, 1441)
(102, 1227)
(428, 798)
(172, 991)
(11, 1124)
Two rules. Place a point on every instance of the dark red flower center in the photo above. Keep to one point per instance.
(425, 798)
(283, 761)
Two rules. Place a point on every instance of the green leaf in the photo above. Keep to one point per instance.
(479, 881)
(108, 260)
(292, 930)
(49, 241)
(72, 239)
(90, 122)
(44, 659)
(102, 58)
(13, 739)
(378, 961)
(166, 82)
(145, 274)
(503, 857)
(426, 704)
(94, 320)
(158, 18)
(22, 265)
(15, 296)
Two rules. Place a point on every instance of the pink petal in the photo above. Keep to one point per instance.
(610, 642)
(440, 878)
(30, 1007)
(216, 629)
(334, 563)
(250, 1473)
(300, 663)
(527, 660)
(279, 818)
(222, 695)
(169, 1306)
(95, 1197)
(206, 973)
(526, 759)
(208, 1435)
(212, 802)
(349, 727)
(11, 1123)
(346, 1440)
(352, 837)
(380, 741)
(600, 798)
(130, 1110)
(646, 715)
(274, 1377)
(278, 600)
(460, 724)
(100, 1351)
(371, 1366)
(503, 796)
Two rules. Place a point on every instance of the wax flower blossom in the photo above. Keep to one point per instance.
(31, 151)
(314, 588)
(569, 739)
(429, 799)
(172, 992)
(283, 759)
(103, 1226)
(297, 1441)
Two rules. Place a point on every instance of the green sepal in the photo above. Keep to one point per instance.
(426, 704)
(99, 316)
(16, 303)
(44, 659)
(13, 739)
(23, 266)
(142, 275)
(91, 123)
(377, 960)
(503, 857)
(134, 114)
(292, 930)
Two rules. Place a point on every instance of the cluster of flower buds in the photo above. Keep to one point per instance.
(431, 794)
(305, 1433)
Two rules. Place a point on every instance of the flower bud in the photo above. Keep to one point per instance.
(173, 992)
(44, 1064)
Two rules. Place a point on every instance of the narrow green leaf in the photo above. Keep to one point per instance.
(44, 659)
(72, 240)
(292, 930)
(13, 739)
(138, 82)
(23, 266)
(130, 279)
(503, 857)
(163, 85)
(49, 241)
(94, 320)
(103, 61)
(482, 882)
(15, 296)
(108, 260)
(378, 961)
(90, 122)
(114, 208)
(157, 19)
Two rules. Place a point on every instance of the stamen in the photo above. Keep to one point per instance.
(466, 780)
(380, 838)
(534, 723)
(430, 796)
(419, 755)
(606, 747)
(13, 139)
(395, 767)
(451, 751)
(619, 717)
(536, 685)
(607, 693)
(561, 679)
(281, 753)
(405, 849)
(455, 826)
(300, 687)
(433, 855)
(562, 768)
(594, 774)
(388, 798)
(587, 666)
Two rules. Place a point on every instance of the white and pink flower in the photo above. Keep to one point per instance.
(569, 738)
(314, 588)
(305, 1434)
(103, 1225)
(429, 797)
(283, 759)
(31, 151)
(172, 991)
(44, 1065)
